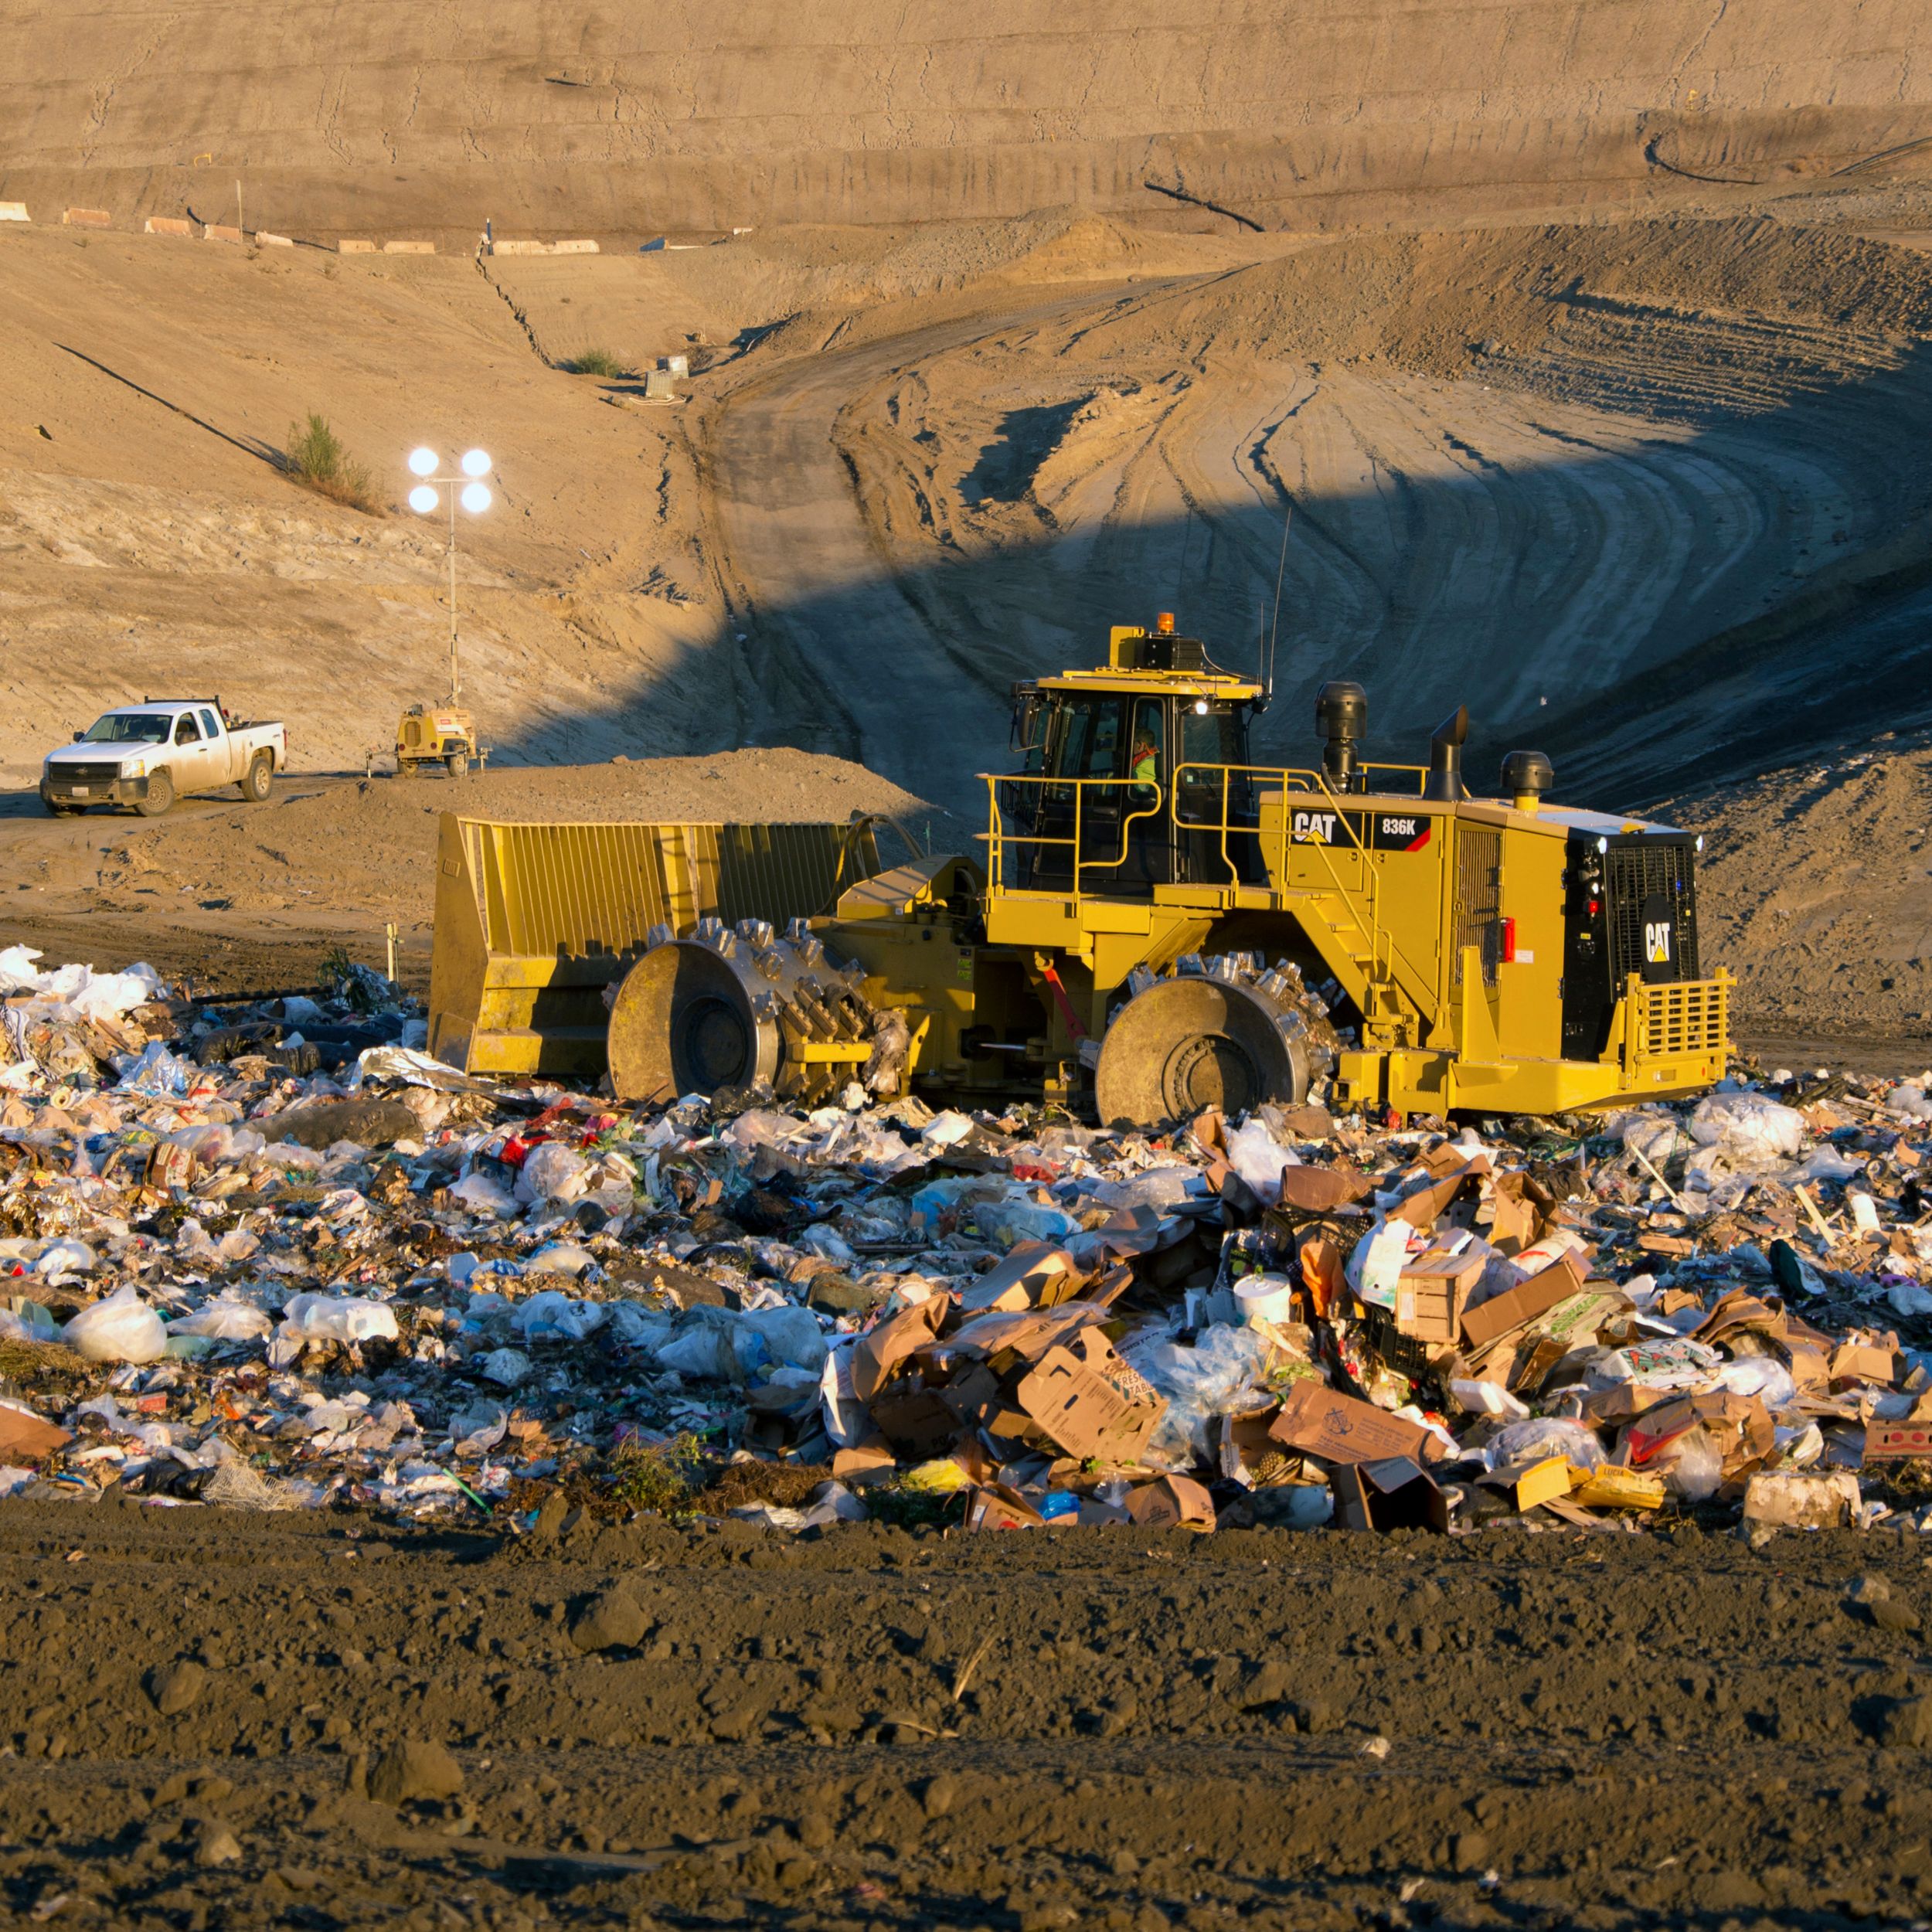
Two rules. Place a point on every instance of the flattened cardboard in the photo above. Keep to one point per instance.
(1340, 1429)
(1174, 1503)
(1612, 1488)
(870, 1462)
(1866, 1361)
(1086, 1400)
(1489, 1320)
(28, 1437)
(1426, 1205)
(1542, 1481)
(1000, 1338)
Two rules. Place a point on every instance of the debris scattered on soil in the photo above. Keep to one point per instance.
(274, 1256)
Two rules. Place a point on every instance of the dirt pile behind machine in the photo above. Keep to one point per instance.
(1156, 925)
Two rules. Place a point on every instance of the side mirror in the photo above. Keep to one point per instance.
(78, 736)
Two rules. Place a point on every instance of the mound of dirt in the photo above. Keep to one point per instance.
(1815, 889)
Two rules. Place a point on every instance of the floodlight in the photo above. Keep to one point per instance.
(475, 497)
(476, 462)
(423, 499)
(423, 461)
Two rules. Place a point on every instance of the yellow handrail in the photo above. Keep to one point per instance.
(998, 837)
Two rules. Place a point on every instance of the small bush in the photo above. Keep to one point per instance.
(316, 457)
(599, 361)
(660, 1476)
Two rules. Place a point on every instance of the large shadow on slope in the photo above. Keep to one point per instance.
(1646, 678)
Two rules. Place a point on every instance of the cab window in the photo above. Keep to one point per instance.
(1089, 737)
(1213, 740)
(208, 725)
(186, 733)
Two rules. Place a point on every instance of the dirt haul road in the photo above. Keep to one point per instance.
(1594, 1728)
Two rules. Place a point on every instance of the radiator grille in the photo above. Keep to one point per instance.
(68, 773)
(1686, 1018)
(1478, 902)
(1632, 874)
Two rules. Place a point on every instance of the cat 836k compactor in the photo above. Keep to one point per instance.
(1155, 925)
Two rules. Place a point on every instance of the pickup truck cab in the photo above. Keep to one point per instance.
(149, 754)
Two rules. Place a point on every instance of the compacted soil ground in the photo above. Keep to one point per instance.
(879, 1726)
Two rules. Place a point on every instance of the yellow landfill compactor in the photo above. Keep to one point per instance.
(1156, 925)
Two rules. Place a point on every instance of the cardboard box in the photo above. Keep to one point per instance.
(1866, 1361)
(1490, 1320)
(1795, 1500)
(1086, 1399)
(1896, 1442)
(889, 1342)
(1339, 1428)
(1174, 1503)
(1396, 1493)
(1612, 1488)
(1321, 1190)
(1542, 1481)
(1035, 1274)
(1432, 1291)
(994, 1506)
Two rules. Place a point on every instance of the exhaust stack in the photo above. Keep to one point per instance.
(1445, 784)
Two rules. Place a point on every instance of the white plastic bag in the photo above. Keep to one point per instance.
(339, 1317)
(1259, 1158)
(549, 1315)
(1518, 1443)
(1749, 1126)
(549, 1173)
(226, 1318)
(1200, 1383)
(121, 1328)
(482, 1195)
(792, 1334)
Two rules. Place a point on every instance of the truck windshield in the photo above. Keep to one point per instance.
(127, 728)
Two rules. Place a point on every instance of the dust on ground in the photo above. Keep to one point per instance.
(1114, 1728)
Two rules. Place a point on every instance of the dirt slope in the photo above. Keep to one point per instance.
(600, 117)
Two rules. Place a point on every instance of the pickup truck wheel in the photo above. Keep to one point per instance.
(457, 764)
(161, 796)
(260, 774)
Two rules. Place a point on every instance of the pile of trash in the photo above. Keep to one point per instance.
(270, 1255)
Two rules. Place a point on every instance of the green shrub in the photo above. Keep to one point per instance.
(315, 457)
(599, 361)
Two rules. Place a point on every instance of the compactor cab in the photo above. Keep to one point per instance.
(1123, 769)
(1154, 924)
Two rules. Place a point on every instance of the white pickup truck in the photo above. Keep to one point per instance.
(149, 754)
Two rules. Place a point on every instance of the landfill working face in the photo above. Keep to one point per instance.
(478, 1496)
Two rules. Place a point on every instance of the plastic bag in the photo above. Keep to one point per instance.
(1259, 1158)
(212, 1143)
(65, 1256)
(339, 1317)
(158, 1072)
(27, 1321)
(792, 1334)
(559, 1257)
(1750, 1126)
(636, 1326)
(121, 1328)
(1692, 1464)
(549, 1315)
(548, 1172)
(1911, 1100)
(1655, 1136)
(709, 1349)
(1200, 1383)
(1517, 1443)
(481, 1195)
(226, 1318)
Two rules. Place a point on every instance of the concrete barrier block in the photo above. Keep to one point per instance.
(409, 248)
(86, 218)
(222, 231)
(519, 248)
(14, 211)
(274, 241)
(169, 225)
(573, 248)
(355, 248)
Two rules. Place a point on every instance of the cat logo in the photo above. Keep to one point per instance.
(1315, 827)
(1657, 942)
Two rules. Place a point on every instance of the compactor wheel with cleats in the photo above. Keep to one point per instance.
(1227, 1031)
(741, 1006)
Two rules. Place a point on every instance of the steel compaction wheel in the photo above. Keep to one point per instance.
(1226, 1032)
(737, 1006)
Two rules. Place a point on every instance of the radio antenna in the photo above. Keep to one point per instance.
(1275, 623)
